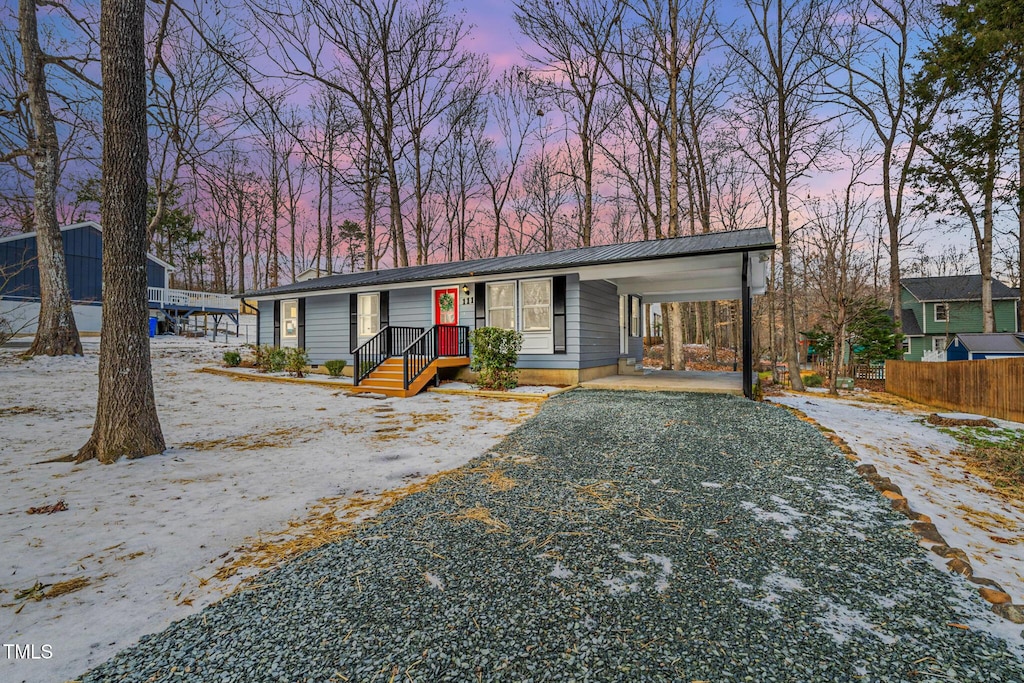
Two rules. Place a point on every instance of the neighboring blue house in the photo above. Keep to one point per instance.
(967, 346)
(83, 253)
(579, 310)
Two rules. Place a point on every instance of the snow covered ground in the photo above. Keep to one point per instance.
(969, 513)
(145, 538)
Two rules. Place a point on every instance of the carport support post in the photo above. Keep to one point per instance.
(748, 336)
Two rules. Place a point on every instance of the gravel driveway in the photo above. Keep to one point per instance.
(616, 536)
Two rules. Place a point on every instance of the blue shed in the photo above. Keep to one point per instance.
(967, 346)
(83, 253)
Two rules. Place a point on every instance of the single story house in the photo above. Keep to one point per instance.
(83, 254)
(935, 309)
(579, 310)
(966, 346)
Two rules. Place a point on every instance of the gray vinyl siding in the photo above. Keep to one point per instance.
(636, 349)
(598, 336)
(326, 328)
(266, 322)
(415, 308)
(591, 322)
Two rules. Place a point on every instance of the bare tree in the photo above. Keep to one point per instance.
(872, 46)
(835, 251)
(545, 191)
(460, 180)
(57, 332)
(126, 419)
(776, 113)
(516, 109)
(573, 39)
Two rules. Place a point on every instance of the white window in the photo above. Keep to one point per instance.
(289, 321)
(906, 345)
(368, 314)
(501, 305)
(938, 343)
(941, 313)
(536, 296)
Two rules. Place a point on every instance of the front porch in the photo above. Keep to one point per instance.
(672, 380)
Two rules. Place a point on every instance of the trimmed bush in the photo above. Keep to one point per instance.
(813, 380)
(266, 358)
(232, 359)
(261, 357)
(334, 367)
(296, 361)
(277, 359)
(494, 357)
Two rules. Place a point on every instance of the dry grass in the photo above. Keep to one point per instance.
(69, 586)
(483, 515)
(987, 520)
(602, 493)
(283, 437)
(427, 418)
(495, 477)
(960, 422)
(17, 410)
(329, 520)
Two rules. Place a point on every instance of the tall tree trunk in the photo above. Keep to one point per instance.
(241, 241)
(791, 349)
(1020, 192)
(57, 333)
(678, 337)
(126, 419)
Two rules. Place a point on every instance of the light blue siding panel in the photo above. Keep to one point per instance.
(599, 324)
(266, 322)
(636, 349)
(327, 328)
(411, 307)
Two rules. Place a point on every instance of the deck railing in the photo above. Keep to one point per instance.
(200, 301)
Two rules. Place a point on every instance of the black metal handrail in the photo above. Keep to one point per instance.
(436, 341)
(418, 356)
(381, 346)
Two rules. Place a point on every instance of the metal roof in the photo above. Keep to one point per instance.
(994, 342)
(756, 239)
(955, 288)
(75, 226)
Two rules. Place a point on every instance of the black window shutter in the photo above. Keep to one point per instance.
(558, 312)
(353, 321)
(302, 323)
(258, 307)
(277, 323)
(631, 301)
(481, 305)
(384, 309)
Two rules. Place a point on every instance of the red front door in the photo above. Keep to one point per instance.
(446, 314)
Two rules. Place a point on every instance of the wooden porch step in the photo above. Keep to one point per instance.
(388, 377)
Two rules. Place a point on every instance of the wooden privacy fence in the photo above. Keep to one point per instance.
(989, 387)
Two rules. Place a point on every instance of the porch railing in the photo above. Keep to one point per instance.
(436, 341)
(181, 298)
(418, 348)
(390, 341)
